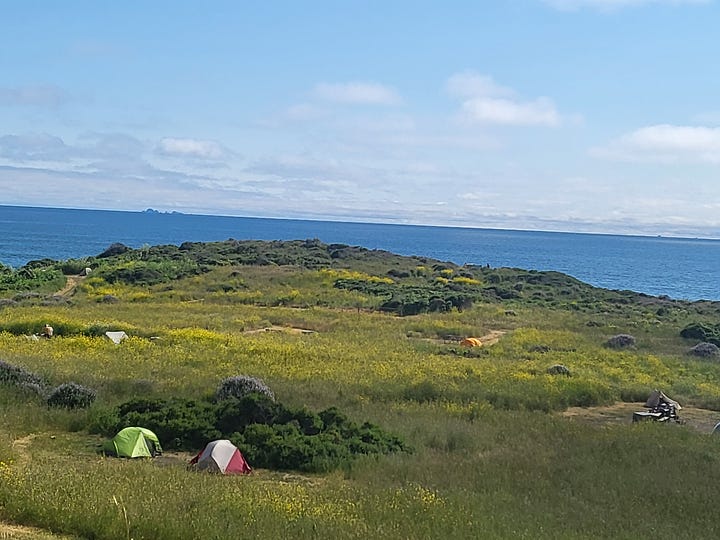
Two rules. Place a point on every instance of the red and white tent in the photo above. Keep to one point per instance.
(222, 457)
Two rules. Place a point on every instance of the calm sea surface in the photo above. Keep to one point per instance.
(680, 268)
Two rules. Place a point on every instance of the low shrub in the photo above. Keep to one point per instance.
(558, 369)
(705, 350)
(705, 332)
(620, 341)
(71, 396)
(240, 386)
(18, 376)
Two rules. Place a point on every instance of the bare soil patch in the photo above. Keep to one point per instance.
(702, 420)
(19, 532)
(70, 286)
(491, 338)
(285, 329)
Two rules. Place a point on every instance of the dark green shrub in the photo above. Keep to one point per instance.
(103, 420)
(558, 369)
(73, 267)
(114, 249)
(269, 434)
(702, 331)
(181, 424)
(235, 414)
(240, 386)
(71, 396)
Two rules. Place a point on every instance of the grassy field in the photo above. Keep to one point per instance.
(495, 452)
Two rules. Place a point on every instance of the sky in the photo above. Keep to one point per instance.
(569, 115)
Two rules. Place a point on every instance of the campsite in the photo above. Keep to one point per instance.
(333, 382)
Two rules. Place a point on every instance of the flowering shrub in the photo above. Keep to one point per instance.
(71, 396)
(332, 274)
(620, 341)
(705, 350)
(18, 376)
(240, 386)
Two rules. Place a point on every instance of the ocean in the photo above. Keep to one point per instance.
(680, 268)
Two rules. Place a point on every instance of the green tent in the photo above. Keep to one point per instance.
(133, 442)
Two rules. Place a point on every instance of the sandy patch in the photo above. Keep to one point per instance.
(621, 413)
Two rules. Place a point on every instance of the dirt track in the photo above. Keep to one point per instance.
(492, 338)
(621, 413)
(286, 329)
(70, 286)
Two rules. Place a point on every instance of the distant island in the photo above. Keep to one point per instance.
(153, 211)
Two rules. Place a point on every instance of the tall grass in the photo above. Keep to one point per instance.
(502, 475)
(490, 459)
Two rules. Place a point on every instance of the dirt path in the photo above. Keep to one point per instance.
(286, 329)
(70, 286)
(21, 447)
(492, 338)
(20, 532)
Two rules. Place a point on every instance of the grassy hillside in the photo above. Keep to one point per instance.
(486, 449)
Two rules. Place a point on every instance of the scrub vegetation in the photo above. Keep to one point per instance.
(339, 373)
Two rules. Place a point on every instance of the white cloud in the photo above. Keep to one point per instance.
(471, 84)
(665, 143)
(361, 93)
(610, 5)
(191, 148)
(540, 112)
(486, 102)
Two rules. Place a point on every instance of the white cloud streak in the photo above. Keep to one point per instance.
(486, 102)
(191, 148)
(665, 143)
(468, 84)
(357, 93)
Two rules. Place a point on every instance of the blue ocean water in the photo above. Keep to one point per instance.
(679, 268)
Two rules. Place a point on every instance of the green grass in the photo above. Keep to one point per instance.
(493, 458)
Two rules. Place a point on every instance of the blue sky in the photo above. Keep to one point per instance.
(574, 115)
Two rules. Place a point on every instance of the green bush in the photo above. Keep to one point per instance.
(558, 369)
(180, 424)
(269, 434)
(702, 331)
(73, 267)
